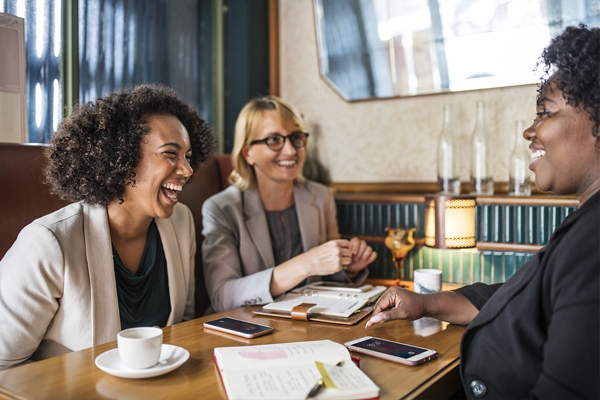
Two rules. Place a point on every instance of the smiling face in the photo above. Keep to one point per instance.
(274, 166)
(163, 168)
(565, 154)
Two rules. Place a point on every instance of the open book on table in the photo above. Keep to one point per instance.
(332, 303)
(290, 370)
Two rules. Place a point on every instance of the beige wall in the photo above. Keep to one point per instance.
(386, 140)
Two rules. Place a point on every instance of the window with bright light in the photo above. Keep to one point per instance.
(43, 51)
(120, 43)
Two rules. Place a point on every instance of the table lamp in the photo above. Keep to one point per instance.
(449, 221)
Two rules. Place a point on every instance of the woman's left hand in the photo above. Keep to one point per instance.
(362, 255)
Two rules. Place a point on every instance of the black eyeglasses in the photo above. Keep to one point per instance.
(276, 141)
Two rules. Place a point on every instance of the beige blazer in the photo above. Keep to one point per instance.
(237, 252)
(57, 282)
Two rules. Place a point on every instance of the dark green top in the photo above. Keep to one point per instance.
(144, 297)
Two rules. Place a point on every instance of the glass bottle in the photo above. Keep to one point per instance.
(482, 164)
(519, 183)
(448, 160)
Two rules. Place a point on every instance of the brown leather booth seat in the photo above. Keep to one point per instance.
(209, 179)
(24, 197)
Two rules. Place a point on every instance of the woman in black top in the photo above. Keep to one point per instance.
(537, 335)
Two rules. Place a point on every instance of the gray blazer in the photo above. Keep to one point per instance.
(237, 253)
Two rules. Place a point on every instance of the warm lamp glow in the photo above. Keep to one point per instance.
(450, 222)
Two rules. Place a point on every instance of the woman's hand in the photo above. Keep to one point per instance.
(326, 259)
(362, 256)
(329, 257)
(398, 303)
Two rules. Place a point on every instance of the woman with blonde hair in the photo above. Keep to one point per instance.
(273, 229)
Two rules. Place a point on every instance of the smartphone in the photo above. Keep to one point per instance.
(341, 286)
(238, 327)
(392, 351)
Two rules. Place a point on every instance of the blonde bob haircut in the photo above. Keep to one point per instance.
(246, 127)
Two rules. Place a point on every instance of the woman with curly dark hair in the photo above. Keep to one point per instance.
(536, 336)
(122, 255)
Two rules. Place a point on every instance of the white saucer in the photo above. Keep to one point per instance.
(171, 357)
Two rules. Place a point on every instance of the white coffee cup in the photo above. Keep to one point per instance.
(140, 347)
(428, 280)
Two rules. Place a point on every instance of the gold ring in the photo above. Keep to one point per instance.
(345, 267)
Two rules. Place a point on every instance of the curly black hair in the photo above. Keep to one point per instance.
(94, 152)
(574, 55)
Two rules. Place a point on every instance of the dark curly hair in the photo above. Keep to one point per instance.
(94, 152)
(575, 56)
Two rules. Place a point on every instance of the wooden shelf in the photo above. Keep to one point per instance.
(406, 284)
(547, 200)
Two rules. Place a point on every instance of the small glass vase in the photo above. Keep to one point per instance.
(482, 182)
(519, 183)
(448, 160)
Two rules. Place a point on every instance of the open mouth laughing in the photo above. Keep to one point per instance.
(536, 154)
(170, 190)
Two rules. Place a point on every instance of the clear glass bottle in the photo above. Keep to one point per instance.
(482, 164)
(519, 183)
(448, 160)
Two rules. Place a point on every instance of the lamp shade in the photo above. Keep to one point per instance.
(450, 221)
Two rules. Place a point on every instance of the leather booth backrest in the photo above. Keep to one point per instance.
(24, 197)
(206, 181)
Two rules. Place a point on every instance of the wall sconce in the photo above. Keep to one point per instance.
(450, 221)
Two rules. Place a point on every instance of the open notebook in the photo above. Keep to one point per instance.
(290, 370)
(332, 303)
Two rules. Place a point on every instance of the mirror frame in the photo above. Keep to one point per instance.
(477, 84)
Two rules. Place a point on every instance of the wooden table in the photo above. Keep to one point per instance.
(75, 376)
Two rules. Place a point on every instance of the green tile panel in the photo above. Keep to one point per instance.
(501, 223)
(518, 223)
(371, 219)
(459, 267)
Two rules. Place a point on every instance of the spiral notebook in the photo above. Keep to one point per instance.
(289, 371)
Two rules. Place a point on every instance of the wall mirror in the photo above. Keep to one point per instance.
(389, 48)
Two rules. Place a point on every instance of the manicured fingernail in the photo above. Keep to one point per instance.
(375, 319)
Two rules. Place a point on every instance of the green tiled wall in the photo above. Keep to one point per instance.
(372, 218)
(459, 266)
(519, 224)
(495, 223)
